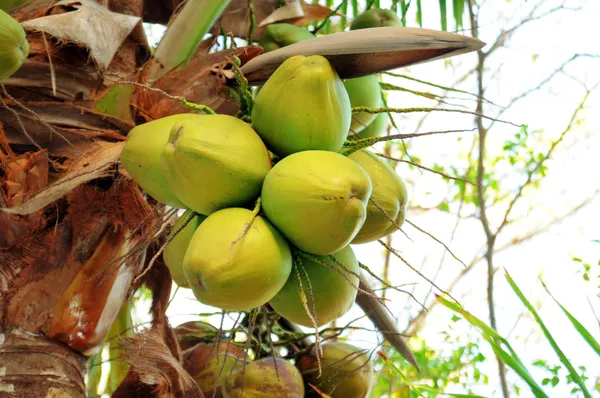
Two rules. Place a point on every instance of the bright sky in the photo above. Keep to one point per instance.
(572, 176)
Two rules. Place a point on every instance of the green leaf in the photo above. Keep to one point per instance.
(444, 17)
(419, 13)
(563, 358)
(458, 7)
(587, 336)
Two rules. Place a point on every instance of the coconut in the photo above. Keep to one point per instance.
(265, 378)
(211, 365)
(175, 250)
(331, 289)
(377, 128)
(236, 274)
(215, 161)
(363, 91)
(347, 371)
(302, 106)
(279, 35)
(389, 193)
(375, 18)
(141, 158)
(14, 47)
(317, 199)
(190, 333)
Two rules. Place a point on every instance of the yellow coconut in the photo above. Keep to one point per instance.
(215, 161)
(141, 158)
(302, 106)
(332, 289)
(236, 274)
(389, 194)
(175, 250)
(347, 371)
(265, 378)
(317, 199)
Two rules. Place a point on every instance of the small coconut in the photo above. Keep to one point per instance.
(175, 250)
(279, 35)
(331, 287)
(377, 128)
(235, 272)
(190, 333)
(375, 18)
(215, 161)
(317, 199)
(14, 47)
(347, 371)
(265, 378)
(389, 194)
(363, 91)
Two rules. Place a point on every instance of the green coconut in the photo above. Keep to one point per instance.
(236, 274)
(317, 199)
(331, 289)
(279, 35)
(302, 106)
(190, 333)
(175, 250)
(375, 18)
(210, 365)
(14, 47)
(347, 371)
(265, 378)
(215, 161)
(377, 128)
(363, 91)
(141, 158)
(389, 193)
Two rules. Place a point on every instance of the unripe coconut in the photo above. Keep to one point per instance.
(265, 378)
(14, 47)
(375, 18)
(317, 199)
(190, 333)
(232, 273)
(302, 106)
(175, 250)
(206, 366)
(377, 128)
(389, 192)
(363, 91)
(331, 287)
(347, 371)
(215, 161)
(282, 34)
(141, 158)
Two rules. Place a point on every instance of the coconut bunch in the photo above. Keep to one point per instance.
(237, 252)
(224, 369)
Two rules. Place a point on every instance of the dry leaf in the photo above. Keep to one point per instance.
(366, 51)
(288, 11)
(89, 25)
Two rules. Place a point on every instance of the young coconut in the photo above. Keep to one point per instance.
(363, 91)
(377, 128)
(347, 371)
(375, 18)
(265, 378)
(215, 161)
(389, 194)
(210, 366)
(233, 273)
(175, 250)
(302, 106)
(317, 199)
(332, 287)
(279, 35)
(141, 158)
(190, 333)
(14, 47)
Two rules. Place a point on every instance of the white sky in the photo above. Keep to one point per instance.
(573, 175)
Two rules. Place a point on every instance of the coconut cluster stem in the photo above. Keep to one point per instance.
(247, 225)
